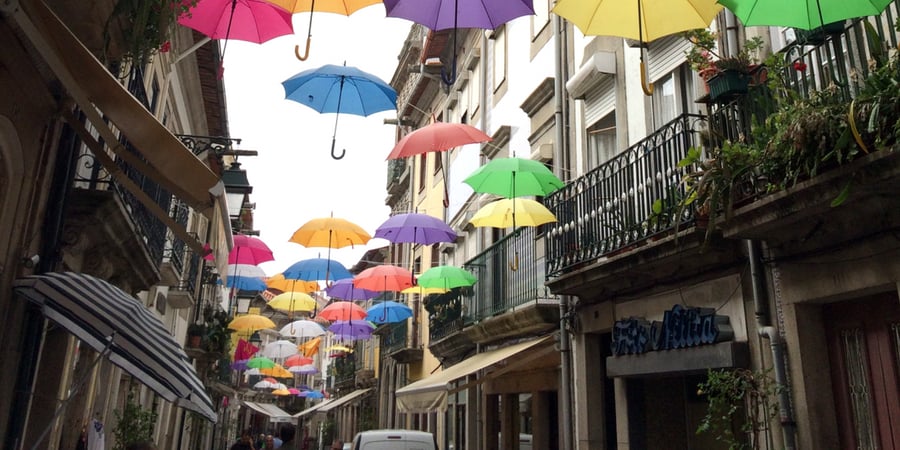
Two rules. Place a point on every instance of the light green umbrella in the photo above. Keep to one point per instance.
(260, 362)
(804, 14)
(447, 277)
(514, 177)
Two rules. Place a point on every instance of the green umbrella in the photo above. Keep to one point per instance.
(804, 14)
(514, 177)
(260, 362)
(447, 277)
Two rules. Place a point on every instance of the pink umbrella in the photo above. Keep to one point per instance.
(249, 250)
(245, 20)
(294, 391)
(438, 136)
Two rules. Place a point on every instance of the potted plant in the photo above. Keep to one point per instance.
(726, 76)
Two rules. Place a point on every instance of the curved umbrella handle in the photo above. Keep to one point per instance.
(334, 155)
(297, 50)
(450, 78)
(648, 88)
(514, 266)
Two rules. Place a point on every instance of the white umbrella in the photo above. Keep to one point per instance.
(302, 329)
(306, 370)
(262, 385)
(252, 371)
(279, 386)
(280, 349)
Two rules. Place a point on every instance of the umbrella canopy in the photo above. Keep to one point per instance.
(280, 349)
(281, 392)
(302, 329)
(351, 329)
(313, 394)
(340, 89)
(641, 20)
(240, 364)
(245, 20)
(447, 277)
(260, 362)
(263, 385)
(339, 348)
(306, 369)
(342, 311)
(435, 137)
(251, 322)
(514, 177)
(446, 14)
(280, 283)
(246, 270)
(388, 312)
(294, 391)
(415, 228)
(805, 14)
(330, 232)
(246, 283)
(293, 302)
(297, 360)
(279, 386)
(249, 250)
(506, 213)
(345, 7)
(344, 290)
(277, 371)
(317, 269)
(384, 278)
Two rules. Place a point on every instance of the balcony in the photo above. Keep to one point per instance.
(183, 294)
(395, 343)
(397, 179)
(622, 227)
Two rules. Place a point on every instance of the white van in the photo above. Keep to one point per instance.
(394, 440)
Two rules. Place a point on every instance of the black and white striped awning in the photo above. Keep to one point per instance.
(102, 315)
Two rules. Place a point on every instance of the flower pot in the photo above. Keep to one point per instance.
(727, 85)
(818, 35)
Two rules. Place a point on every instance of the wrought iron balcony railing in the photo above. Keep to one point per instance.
(629, 198)
(396, 338)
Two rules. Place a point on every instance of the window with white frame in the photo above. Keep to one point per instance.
(665, 105)
(499, 58)
(601, 140)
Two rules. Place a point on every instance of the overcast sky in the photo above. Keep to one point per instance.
(294, 177)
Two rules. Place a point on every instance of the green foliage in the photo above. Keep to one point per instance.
(217, 337)
(145, 26)
(704, 53)
(134, 424)
(740, 405)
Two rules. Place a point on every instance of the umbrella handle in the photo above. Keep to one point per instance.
(297, 50)
(514, 266)
(648, 88)
(335, 156)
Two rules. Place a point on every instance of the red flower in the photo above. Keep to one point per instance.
(165, 47)
(799, 66)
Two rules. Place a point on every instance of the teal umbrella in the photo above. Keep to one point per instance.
(805, 14)
(447, 277)
(514, 177)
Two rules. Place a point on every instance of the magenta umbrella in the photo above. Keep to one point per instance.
(344, 290)
(249, 250)
(254, 21)
(415, 228)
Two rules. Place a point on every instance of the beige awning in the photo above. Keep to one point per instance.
(430, 393)
(311, 409)
(345, 400)
(275, 413)
(100, 96)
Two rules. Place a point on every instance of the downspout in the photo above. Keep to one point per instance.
(767, 331)
(479, 234)
(560, 157)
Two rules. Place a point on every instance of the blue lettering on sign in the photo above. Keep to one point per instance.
(681, 328)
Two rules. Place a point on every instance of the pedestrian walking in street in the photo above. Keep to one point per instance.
(245, 443)
(287, 433)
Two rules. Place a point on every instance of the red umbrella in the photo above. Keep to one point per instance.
(342, 311)
(435, 137)
(384, 278)
(297, 360)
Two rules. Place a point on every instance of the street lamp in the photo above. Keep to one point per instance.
(255, 340)
(237, 189)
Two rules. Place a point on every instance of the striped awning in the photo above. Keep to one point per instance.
(106, 318)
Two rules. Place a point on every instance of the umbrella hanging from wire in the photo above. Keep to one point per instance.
(282, 284)
(445, 14)
(344, 7)
(512, 212)
(447, 277)
(641, 20)
(388, 312)
(384, 278)
(415, 228)
(514, 177)
(292, 302)
(314, 269)
(351, 329)
(437, 137)
(300, 329)
(340, 89)
(342, 311)
(344, 290)
(804, 14)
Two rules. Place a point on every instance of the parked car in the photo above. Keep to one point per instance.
(394, 440)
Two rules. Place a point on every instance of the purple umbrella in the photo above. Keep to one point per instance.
(240, 364)
(344, 290)
(415, 228)
(353, 329)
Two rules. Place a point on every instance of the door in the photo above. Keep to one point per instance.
(864, 336)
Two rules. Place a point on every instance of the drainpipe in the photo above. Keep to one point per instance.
(560, 156)
(767, 331)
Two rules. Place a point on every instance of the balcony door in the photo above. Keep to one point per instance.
(864, 336)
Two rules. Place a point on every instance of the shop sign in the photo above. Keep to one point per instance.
(681, 327)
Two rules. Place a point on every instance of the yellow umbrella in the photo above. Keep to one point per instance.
(278, 372)
(641, 20)
(279, 282)
(293, 302)
(281, 392)
(512, 212)
(339, 348)
(251, 322)
(424, 290)
(345, 7)
(330, 232)
(310, 348)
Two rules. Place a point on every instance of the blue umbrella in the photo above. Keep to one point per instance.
(340, 89)
(388, 312)
(312, 394)
(245, 283)
(315, 269)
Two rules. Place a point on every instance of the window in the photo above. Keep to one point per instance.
(601, 140)
(474, 89)
(665, 107)
(541, 16)
(499, 58)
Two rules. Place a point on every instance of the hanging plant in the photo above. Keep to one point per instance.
(144, 27)
(134, 424)
(740, 405)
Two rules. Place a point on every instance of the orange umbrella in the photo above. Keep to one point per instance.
(345, 7)
(297, 360)
(280, 283)
(311, 347)
(344, 311)
(330, 232)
